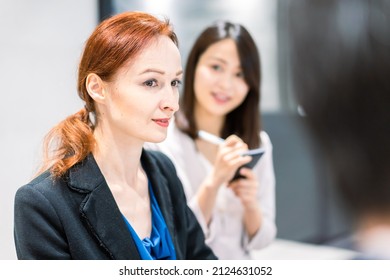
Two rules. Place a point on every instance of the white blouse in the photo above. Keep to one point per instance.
(225, 234)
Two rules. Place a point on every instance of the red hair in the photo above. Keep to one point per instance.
(114, 42)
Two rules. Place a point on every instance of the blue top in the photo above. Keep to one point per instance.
(159, 245)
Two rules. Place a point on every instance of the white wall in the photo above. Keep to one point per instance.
(40, 45)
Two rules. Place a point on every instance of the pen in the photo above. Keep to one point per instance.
(218, 140)
(210, 137)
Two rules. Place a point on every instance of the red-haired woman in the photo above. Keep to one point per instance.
(99, 194)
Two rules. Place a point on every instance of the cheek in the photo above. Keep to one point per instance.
(202, 79)
(242, 89)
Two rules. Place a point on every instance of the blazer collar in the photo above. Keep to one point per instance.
(100, 212)
(85, 176)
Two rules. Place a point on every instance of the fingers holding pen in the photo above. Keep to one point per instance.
(234, 140)
(229, 158)
(235, 159)
(232, 149)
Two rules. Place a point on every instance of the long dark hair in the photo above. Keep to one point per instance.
(244, 121)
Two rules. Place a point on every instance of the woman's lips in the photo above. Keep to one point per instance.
(220, 98)
(162, 122)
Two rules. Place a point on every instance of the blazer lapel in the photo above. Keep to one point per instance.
(100, 211)
(161, 190)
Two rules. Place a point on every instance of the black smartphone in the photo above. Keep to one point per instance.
(256, 154)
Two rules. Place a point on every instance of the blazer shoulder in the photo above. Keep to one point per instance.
(41, 181)
(44, 184)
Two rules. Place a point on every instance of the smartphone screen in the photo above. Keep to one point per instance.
(256, 154)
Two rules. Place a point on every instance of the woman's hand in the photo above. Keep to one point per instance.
(229, 158)
(246, 189)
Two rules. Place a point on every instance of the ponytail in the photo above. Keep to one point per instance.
(68, 143)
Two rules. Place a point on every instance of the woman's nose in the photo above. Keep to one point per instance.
(171, 100)
(226, 81)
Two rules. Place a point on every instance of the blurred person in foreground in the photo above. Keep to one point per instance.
(341, 65)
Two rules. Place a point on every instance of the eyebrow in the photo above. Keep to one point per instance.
(152, 70)
(219, 59)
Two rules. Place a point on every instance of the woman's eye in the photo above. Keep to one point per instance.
(216, 67)
(151, 83)
(176, 83)
(240, 75)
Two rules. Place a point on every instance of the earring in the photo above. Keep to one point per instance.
(92, 118)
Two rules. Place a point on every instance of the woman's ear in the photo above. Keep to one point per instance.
(95, 87)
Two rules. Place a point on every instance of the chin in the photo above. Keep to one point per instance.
(221, 112)
(157, 139)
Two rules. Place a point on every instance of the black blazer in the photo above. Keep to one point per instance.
(76, 216)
